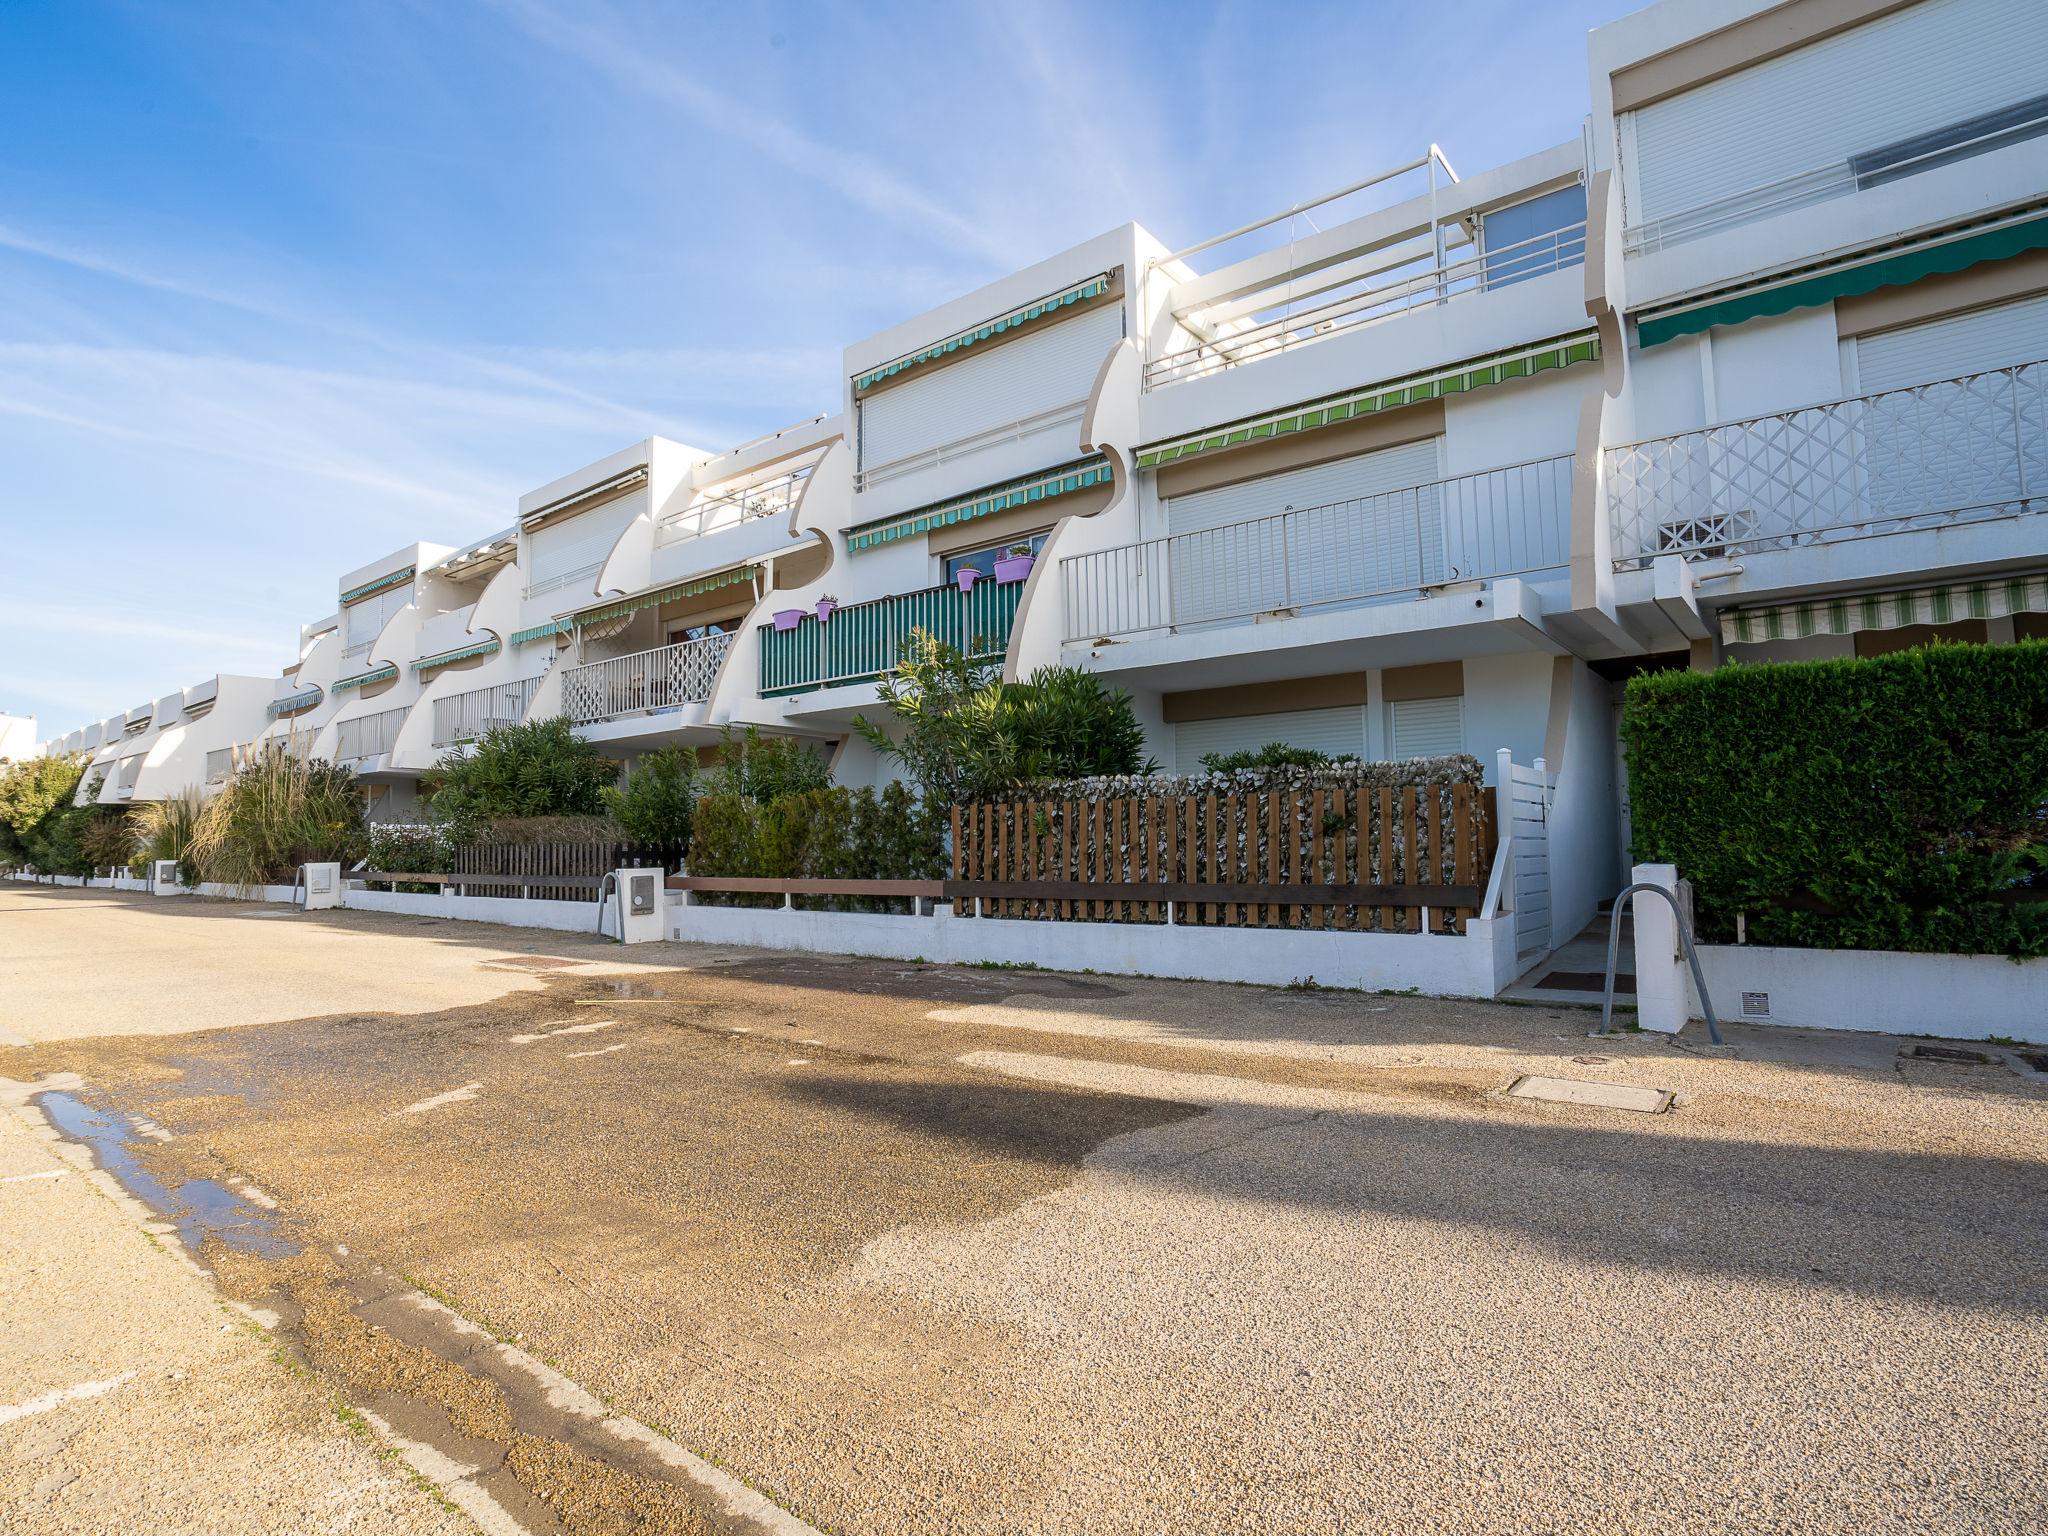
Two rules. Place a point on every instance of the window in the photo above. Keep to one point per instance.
(984, 559)
(1425, 728)
(701, 629)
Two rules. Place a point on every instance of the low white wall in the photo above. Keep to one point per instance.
(1477, 964)
(1960, 997)
(245, 893)
(518, 911)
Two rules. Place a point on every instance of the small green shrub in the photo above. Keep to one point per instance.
(658, 800)
(1274, 754)
(540, 768)
(762, 768)
(416, 848)
(818, 834)
(35, 795)
(1893, 803)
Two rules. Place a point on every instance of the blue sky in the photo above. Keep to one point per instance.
(285, 286)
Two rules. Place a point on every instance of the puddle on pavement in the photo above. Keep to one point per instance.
(629, 987)
(199, 1208)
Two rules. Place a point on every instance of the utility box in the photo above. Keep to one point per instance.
(323, 886)
(639, 904)
(163, 878)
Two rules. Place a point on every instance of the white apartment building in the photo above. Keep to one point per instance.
(1755, 367)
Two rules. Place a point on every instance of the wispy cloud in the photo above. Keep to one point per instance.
(633, 63)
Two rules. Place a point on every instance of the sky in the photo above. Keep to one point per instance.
(284, 287)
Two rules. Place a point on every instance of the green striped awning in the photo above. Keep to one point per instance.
(363, 679)
(1888, 610)
(1823, 283)
(1023, 315)
(682, 589)
(295, 703)
(1475, 373)
(1014, 493)
(482, 647)
(372, 588)
(547, 631)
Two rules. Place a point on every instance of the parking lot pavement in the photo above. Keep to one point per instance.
(929, 1249)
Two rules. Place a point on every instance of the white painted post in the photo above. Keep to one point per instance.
(1661, 1002)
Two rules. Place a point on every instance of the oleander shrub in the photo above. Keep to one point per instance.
(658, 801)
(818, 834)
(539, 768)
(35, 806)
(764, 768)
(1894, 803)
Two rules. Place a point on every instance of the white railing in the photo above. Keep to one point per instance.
(1498, 522)
(715, 510)
(368, 735)
(1481, 272)
(1949, 451)
(465, 716)
(665, 678)
(220, 765)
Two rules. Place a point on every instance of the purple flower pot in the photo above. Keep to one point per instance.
(1013, 568)
(966, 577)
(789, 618)
(825, 607)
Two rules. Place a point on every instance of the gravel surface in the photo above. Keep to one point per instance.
(924, 1249)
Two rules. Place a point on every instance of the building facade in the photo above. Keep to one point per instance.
(1754, 368)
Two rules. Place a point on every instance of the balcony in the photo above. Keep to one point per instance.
(861, 642)
(465, 716)
(368, 736)
(1925, 456)
(1498, 522)
(647, 682)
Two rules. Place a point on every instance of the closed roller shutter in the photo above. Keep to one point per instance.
(1339, 731)
(1425, 728)
(576, 547)
(365, 620)
(1812, 109)
(1950, 447)
(989, 387)
(1998, 337)
(1369, 531)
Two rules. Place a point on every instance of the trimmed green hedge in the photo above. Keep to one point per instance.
(1895, 803)
(818, 834)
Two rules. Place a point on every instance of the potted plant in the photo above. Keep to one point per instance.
(1014, 564)
(788, 618)
(966, 577)
(825, 606)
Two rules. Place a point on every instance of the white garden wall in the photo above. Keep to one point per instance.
(1959, 997)
(517, 911)
(1477, 964)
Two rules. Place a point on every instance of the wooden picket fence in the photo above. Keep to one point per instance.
(524, 869)
(1372, 859)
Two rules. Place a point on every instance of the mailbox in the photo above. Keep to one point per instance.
(640, 894)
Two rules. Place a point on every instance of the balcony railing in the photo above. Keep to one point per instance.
(465, 716)
(1481, 272)
(368, 735)
(1498, 522)
(648, 681)
(1926, 455)
(861, 642)
(717, 510)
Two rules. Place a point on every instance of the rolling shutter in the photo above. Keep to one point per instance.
(1425, 728)
(1337, 731)
(1042, 372)
(1368, 474)
(1998, 337)
(366, 619)
(576, 547)
(1909, 73)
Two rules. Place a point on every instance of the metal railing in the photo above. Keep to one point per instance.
(715, 510)
(667, 677)
(1481, 272)
(1921, 456)
(369, 735)
(1497, 522)
(862, 641)
(465, 716)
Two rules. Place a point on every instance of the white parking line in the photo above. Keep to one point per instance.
(60, 1396)
(460, 1095)
(23, 1178)
(605, 1050)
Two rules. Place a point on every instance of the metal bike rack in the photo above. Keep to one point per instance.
(610, 883)
(300, 895)
(1684, 938)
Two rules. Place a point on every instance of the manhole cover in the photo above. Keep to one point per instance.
(1570, 1090)
(1954, 1053)
(534, 962)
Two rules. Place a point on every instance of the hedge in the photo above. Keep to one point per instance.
(818, 834)
(1897, 803)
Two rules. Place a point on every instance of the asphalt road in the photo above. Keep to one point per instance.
(921, 1249)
